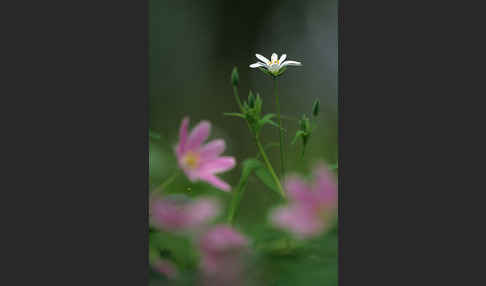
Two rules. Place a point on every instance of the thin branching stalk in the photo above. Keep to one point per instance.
(280, 130)
(235, 201)
(269, 166)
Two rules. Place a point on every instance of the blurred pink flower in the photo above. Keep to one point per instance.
(165, 267)
(171, 214)
(202, 162)
(222, 252)
(310, 206)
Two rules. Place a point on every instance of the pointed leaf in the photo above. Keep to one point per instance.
(249, 165)
(269, 116)
(235, 114)
(266, 119)
(261, 172)
(266, 178)
(298, 134)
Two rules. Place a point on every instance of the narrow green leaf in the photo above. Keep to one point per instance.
(266, 178)
(254, 165)
(276, 125)
(249, 165)
(235, 114)
(298, 134)
(315, 108)
(266, 119)
(268, 116)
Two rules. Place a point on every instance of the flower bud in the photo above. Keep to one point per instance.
(251, 100)
(315, 108)
(235, 79)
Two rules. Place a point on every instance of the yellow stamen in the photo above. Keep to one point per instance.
(191, 160)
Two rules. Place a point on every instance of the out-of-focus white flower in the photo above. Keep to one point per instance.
(276, 66)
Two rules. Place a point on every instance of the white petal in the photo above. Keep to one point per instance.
(256, 65)
(290, 63)
(282, 58)
(274, 57)
(262, 58)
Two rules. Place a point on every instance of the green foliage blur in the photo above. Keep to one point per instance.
(193, 47)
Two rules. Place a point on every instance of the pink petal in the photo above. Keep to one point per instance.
(222, 238)
(192, 175)
(182, 137)
(167, 215)
(325, 186)
(215, 181)
(202, 211)
(218, 165)
(297, 188)
(198, 135)
(212, 150)
(222, 251)
(298, 220)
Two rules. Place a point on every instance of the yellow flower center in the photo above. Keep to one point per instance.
(191, 160)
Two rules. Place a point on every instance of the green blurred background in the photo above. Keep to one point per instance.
(193, 46)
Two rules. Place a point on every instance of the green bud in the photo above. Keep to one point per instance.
(258, 103)
(235, 78)
(251, 100)
(315, 108)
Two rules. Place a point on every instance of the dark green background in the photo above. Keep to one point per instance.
(193, 46)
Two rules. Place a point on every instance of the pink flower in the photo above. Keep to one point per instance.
(165, 267)
(173, 214)
(202, 162)
(310, 206)
(222, 249)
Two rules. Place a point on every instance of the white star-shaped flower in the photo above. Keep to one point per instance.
(276, 66)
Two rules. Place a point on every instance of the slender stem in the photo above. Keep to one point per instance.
(235, 201)
(167, 182)
(238, 192)
(269, 166)
(280, 130)
(235, 92)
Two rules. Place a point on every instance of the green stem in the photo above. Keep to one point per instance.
(280, 130)
(167, 182)
(238, 192)
(235, 201)
(235, 92)
(269, 166)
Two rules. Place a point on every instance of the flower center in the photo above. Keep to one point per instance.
(274, 67)
(191, 160)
